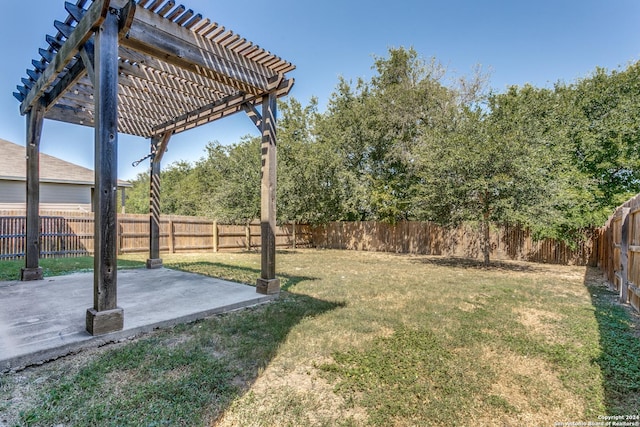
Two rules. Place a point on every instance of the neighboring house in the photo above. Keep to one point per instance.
(64, 186)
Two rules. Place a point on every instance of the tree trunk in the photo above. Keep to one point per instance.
(486, 240)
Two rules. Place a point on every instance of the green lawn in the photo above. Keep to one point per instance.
(10, 270)
(360, 339)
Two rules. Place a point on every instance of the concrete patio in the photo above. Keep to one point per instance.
(44, 320)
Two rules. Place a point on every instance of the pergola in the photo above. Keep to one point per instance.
(152, 69)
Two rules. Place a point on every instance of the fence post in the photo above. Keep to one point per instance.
(247, 233)
(120, 232)
(172, 243)
(624, 256)
(215, 236)
(294, 234)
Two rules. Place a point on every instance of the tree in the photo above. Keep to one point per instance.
(375, 128)
(137, 197)
(307, 169)
(492, 166)
(231, 181)
(605, 131)
(180, 190)
(343, 130)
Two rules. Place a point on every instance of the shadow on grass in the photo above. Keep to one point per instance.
(188, 375)
(619, 328)
(468, 263)
(235, 273)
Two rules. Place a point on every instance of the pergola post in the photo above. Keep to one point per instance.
(158, 147)
(32, 269)
(267, 283)
(105, 316)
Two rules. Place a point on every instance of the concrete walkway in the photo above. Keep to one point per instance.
(44, 320)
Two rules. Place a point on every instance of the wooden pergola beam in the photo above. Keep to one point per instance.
(216, 110)
(161, 38)
(266, 123)
(83, 32)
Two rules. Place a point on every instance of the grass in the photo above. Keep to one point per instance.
(361, 339)
(10, 270)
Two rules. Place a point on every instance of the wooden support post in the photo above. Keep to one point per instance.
(154, 260)
(105, 316)
(624, 256)
(267, 283)
(32, 269)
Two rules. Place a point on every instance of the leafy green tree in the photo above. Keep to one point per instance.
(375, 128)
(495, 165)
(137, 197)
(230, 175)
(308, 179)
(180, 190)
(344, 131)
(605, 131)
(557, 193)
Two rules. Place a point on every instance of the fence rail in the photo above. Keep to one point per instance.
(68, 235)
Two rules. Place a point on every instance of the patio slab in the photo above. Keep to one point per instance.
(44, 320)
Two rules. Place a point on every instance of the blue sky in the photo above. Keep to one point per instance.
(520, 42)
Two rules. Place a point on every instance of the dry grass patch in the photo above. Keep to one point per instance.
(532, 389)
(540, 322)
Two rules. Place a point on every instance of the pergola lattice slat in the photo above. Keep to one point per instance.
(148, 68)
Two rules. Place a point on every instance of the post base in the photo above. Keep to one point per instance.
(103, 322)
(27, 274)
(154, 263)
(268, 286)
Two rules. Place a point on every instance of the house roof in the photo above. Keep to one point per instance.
(13, 166)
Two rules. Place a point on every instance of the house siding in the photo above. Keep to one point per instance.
(65, 193)
(15, 192)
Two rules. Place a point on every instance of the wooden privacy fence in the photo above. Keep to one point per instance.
(67, 235)
(190, 234)
(507, 242)
(59, 236)
(71, 234)
(619, 252)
